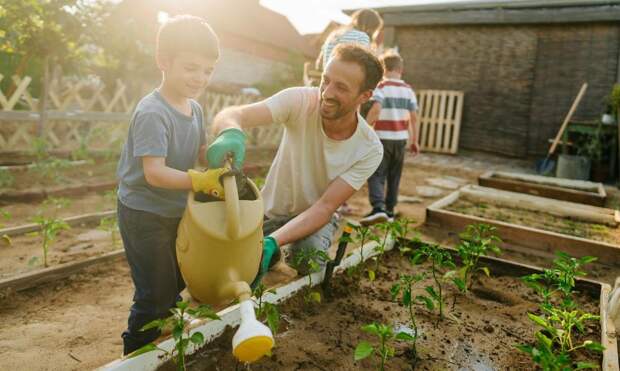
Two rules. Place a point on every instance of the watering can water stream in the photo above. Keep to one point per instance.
(219, 247)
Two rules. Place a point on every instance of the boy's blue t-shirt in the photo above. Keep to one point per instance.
(158, 129)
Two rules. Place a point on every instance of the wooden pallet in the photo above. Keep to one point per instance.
(557, 188)
(439, 117)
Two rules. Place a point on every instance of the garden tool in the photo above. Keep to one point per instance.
(546, 166)
(342, 247)
(219, 247)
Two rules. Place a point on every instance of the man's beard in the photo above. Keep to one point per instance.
(334, 111)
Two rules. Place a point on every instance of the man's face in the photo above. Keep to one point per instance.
(340, 89)
(188, 73)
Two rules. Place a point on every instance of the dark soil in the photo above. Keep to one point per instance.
(479, 333)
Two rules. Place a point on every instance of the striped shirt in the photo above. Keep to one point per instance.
(397, 101)
(352, 36)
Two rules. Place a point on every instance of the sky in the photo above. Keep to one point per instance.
(311, 16)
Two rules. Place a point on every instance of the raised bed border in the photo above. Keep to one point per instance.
(520, 238)
(72, 220)
(558, 192)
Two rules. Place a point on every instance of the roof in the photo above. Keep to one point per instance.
(502, 11)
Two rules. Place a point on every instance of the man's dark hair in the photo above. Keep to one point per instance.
(187, 33)
(391, 61)
(364, 57)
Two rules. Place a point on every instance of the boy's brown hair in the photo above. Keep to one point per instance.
(373, 71)
(391, 61)
(187, 33)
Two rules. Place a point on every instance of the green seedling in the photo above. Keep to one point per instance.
(50, 169)
(440, 259)
(555, 341)
(384, 349)
(400, 232)
(386, 229)
(404, 289)
(560, 279)
(178, 322)
(39, 147)
(311, 258)
(50, 227)
(110, 225)
(56, 204)
(6, 178)
(362, 236)
(477, 241)
(265, 311)
(6, 216)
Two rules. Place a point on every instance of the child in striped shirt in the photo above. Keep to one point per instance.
(393, 116)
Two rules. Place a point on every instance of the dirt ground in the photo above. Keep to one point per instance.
(479, 332)
(76, 323)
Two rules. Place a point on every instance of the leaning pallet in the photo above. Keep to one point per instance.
(522, 238)
(439, 117)
(579, 191)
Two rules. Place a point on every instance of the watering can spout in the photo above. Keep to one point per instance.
(232, 207)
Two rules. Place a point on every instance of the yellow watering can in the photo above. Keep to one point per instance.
(219, 247)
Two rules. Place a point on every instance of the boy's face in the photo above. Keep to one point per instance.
(187, 73)
(340, 89)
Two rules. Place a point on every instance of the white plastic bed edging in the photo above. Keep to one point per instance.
(231, 316)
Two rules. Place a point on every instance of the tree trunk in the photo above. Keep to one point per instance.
(43, 97)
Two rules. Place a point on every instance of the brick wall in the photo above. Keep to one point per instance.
(519, 80)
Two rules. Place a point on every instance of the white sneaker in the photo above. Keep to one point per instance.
(374, 217)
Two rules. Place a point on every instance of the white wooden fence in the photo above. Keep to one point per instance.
(86, 113)
(439, 118)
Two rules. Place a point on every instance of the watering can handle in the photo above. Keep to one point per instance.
(232, 204)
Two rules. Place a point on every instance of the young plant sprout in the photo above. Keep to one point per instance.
(179, 322)
(400, 232)
(266, 311)
(385, 228)
(477, 241)
(384, 349)
(110, 225)
(439, 259)
(404, 288)
(50, 227)
(362, 235)
(56, 204)
(312, 259)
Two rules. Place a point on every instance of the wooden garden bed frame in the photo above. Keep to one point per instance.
(525, 239)
(557, 188)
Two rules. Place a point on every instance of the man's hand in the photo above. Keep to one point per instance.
(208, 182)
(271, 255)
(229, 141)
(414, 148)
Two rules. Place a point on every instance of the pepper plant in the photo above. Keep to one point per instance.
(362, 235)
(386, 229)
(312, 258)
(56, 204)
(400, 232)
(266, 311)
(179, 323)
(439, 259)
(384, 350)
(50, 227)
(404, 288)
(477, 241)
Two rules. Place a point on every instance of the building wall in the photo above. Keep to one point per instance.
(519, 80)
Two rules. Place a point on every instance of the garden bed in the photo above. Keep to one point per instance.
(531, 224)
(557, 188)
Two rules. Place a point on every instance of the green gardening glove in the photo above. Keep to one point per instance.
(228, 142)
(271, 255)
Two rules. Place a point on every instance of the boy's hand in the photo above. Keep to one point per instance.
(208, 181)
(271, 255)
(229, 141)
(414, 148)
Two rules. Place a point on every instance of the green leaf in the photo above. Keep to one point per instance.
(586, 366)
(460, 284)
(158, 323)
(593, 345)
(486, 271)
(371, 275)
(405, 336)
(197, 338)
(363, 350)
(145, 349)
(371, 329)
(430, 305)
(177, 332)
(315, 296)
(538, 320)
(182, 305)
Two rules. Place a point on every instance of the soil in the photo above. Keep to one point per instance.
(478, 333)
(540, 220)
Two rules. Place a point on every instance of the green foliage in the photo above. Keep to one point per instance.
(55, 204)
(404, 288)
(477, 241)
(265, 311)
(384, 350)
(283, 77)
(50, 227)
(614, 100)
(559, 280)
(363, 234)
(386, 230)
(439, 259)
(110, 224)
(178, 322)
(400, 229)
(259, 181)
(6, 178)
(312, 258)
(51, 169)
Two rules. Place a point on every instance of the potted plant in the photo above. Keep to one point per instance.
(592, 148)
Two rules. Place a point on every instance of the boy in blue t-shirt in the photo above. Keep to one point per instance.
(166, 136)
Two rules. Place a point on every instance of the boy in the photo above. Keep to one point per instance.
(165, 137)
(393, 115)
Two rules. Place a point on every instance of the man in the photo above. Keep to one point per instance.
(327, 151)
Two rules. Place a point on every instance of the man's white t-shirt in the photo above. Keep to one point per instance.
(308, 160)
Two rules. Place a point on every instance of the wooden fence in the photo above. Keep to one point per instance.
(439, 118)
(85, 113)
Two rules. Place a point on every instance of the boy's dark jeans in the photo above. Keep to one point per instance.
(389, 172)
(150, 246)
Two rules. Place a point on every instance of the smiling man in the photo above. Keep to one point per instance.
(326, 154)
